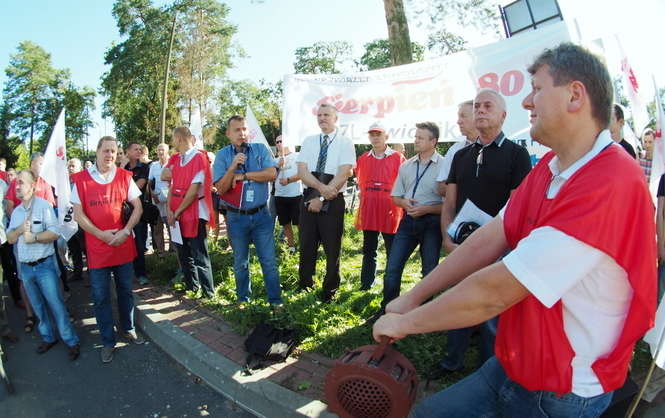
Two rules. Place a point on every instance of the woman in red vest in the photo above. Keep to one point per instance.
(98, 198)
(376, 171)
(578, 288)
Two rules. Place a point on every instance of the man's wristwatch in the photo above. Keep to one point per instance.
(244, 176)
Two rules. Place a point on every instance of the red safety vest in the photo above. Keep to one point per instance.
(102, 204)
(375, 179)
(606, 205)
(181, 179)
(42, 189)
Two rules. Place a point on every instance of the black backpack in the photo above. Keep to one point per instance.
(268, 344)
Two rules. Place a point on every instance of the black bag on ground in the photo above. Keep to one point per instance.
(268, 344)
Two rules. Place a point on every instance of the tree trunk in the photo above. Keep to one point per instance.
(162, 128)
(398, 32)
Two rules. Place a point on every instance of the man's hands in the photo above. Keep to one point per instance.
(314, 205)
(412, 209)
(284, 181)
(171, 217)
(389, 325)
(239, 159)
(107, 236)
(120, 237)
(327, 191)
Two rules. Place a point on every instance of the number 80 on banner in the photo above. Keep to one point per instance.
(509, 84)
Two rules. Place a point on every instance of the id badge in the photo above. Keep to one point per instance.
(249, 197)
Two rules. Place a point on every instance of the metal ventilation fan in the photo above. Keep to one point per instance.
(373, 381)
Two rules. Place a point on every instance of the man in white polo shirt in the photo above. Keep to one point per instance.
(324, 165)
(578, 288)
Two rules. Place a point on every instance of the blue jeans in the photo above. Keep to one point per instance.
(257, 228)
(424, 231)
(140, 237)
(101, 295)
(42, 285)
(490, 393)
(195, 261)
(458, 342)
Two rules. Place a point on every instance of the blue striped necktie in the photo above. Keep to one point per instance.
(323, 155)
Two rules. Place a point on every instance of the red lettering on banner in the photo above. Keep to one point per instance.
(509, 84)
(350, 107)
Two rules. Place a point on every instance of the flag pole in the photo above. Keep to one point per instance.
(636, 400)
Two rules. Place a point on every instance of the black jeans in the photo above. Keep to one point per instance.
(140, 237)
(76, 248)
(370, 244)
(9, 271)
(195, 261)
(321, 228)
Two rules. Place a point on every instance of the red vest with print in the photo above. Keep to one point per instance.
(102, 204)
(42, 189)
(375, 179)
(181, 179)
(606, 205)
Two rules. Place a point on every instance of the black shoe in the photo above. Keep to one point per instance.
(44, 346)
(73, 352)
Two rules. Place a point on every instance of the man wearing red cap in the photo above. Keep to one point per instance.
(578, 288)
(376, 171)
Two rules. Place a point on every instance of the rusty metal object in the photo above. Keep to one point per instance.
(372, 381)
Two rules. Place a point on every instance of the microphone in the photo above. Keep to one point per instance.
(243, 149)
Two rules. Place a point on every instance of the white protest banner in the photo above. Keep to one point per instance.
(54, 172)
(255, 132)
(196, 128)
(632, 89)
(658, 161)
(430, 90)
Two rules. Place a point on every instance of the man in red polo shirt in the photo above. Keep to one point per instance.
(98, 198)
(578, 288)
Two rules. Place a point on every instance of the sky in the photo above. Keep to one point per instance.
(77, 32)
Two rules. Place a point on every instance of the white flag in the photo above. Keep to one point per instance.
(196, 128)
(632, 89)
(658, 162)
(54, 172)
(255, 132)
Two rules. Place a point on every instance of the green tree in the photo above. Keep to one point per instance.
(133, 84)
(322, 57)
(377, 55)
(446, 20)
(265, 100)
(30, 77)
(204, 53)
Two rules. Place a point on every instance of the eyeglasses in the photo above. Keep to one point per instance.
(278, 142)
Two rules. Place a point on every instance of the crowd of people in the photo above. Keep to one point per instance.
(585, 205)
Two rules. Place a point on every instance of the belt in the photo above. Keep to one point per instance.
(34, 263)
(246, 212)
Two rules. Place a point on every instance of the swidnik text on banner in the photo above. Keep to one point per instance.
(54, 172)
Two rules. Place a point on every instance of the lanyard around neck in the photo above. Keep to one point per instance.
(419, 176)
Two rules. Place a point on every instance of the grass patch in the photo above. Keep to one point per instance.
(328, 329)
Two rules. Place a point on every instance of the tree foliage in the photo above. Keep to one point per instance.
(322, 57)
(133, 83)
(377, 55)
(265, 100)
(204, 53)
(35, 94)
(446, 20)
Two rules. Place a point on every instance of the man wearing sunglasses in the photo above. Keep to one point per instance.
(484, 173)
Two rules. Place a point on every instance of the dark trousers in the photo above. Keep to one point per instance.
(195, 261)
(140, 237)
(321, 228)
(76, 248)
(412, 232)
(370, 244)
(9, 271)
(458, 342)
